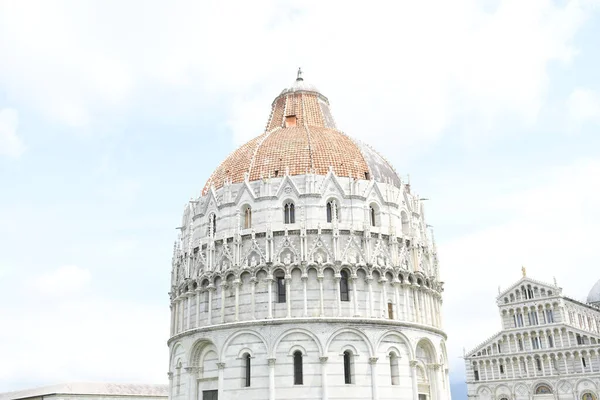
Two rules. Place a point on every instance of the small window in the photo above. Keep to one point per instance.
(550, 341)
(332, 211)
(476, 373)
(290, 121)
(520, 344)
(372, 216)
(212, 224)
(390, 311)
(501, 368)
(298, 368)
(247, 369)
(247, 217)
(394, 370)
(289, 213)
(579, 340)
(344, 292)
(538, 364)
(347, 367)
(281, 289)
(583, 361)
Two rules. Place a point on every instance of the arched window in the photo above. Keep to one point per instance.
(372, 216)
(298, 368)
(247, 372)
(344, 292)
(543, 389)
(348, 361)
(390, 310)
(333, 211)
(394, 370)
(281, 295)
(289, 213)
(212, 224)
(247, 217)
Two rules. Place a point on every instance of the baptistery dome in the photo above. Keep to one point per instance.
(305, 271)
(301, 136)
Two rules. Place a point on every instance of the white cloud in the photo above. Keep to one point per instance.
(583, 105)
(550, 229)
(66, 280)
(381, 62)
(10, 143)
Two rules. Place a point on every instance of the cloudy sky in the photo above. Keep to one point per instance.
(114, 113)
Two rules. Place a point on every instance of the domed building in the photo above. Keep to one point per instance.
(304, 271)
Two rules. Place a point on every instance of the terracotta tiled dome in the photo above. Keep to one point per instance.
(301, 136)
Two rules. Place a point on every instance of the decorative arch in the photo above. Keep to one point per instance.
(273, 350)
(427, 346)
(351, 330)
(543, 388)
(238, 333)
(385, 334)
(198, 350)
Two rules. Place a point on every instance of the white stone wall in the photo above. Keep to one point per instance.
(224, 293)
(561, 353)
(322, 344)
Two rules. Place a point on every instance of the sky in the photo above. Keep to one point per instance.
(114, 113)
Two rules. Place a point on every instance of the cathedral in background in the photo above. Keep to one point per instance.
(548, 348)
(305, 271)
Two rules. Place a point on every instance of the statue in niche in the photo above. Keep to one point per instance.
(319, 258)
(224, 265)
(253, 262)
(287, 260)
(381, 261)
(351, 258)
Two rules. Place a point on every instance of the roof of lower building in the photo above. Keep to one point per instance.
(91, 388)
(594, 295)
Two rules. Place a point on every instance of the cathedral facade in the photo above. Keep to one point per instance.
(305, 271)
(548, 348)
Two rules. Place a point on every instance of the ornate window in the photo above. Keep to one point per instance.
(390, 310)
(348, 367)
(247, 217)
(247, 371)
(298, 368)
(372, 216)
(543, 389)
(281, 296)
(394, 370)
(549, 316)
(333, 211)
(344, 292)
(212, 224)
(588, 396)
(289, 213)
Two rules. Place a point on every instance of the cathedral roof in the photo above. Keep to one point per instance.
(301, 137)
(91, 388)
(594, 296)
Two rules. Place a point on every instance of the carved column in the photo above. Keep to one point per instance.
(189, 311)
(407, 315)
(288, 295)
(223, 288)
(370, 287)
(353, 279)
(271, 378)
(236, 284)
(253, 281)
(373, 362)
(304, 289)
(192, 384)
(221, 381)
(321, 304)
(210, 289)
(198, 291)
(323, 361)
(413, 377)
(383, 281)
(270, 292)
(181, 311)
(172, 308)
(396, 284)
(337, 279)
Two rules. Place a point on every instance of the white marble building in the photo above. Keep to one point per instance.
(305, 271)
(548, 348)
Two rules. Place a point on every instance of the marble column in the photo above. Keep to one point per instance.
(270, 299)
(323, 361)
(221, 380)
(373, 362)
(413, 377)
(188, 324)
(305, 290)
(211, 289)
(271, 378)
(253, 282)
(355, 295)
(321, 300)
(198, 293)
(384, 300)
(236, 284)
(339, 295)
(223, 288)
(370, 308)
(288, 295)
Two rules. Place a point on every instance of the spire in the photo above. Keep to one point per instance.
(299, 76)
